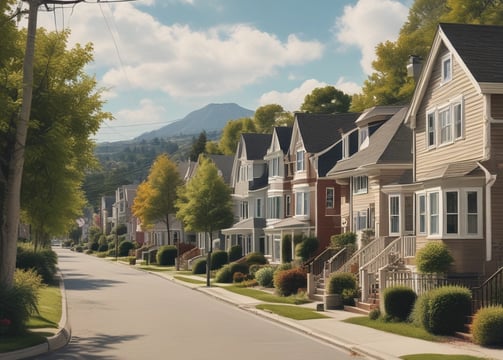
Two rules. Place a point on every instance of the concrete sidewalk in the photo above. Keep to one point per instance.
(363, 340)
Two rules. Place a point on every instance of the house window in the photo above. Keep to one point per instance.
(250, 172)
(274, 207)
(446, 68)
(330, 198)
(300, 160)
(302, 203)
(458, 120)
(360, 184)
(451, 212)
(363, 137)
(360, 220)
(394, 214)
(258, 207)
(288, 205)
(445, 126)
(433, 213)
(274, 167)
(244, 210)
(431, 130)
(472, 212)
(421, 212)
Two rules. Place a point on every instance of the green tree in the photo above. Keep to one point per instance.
(198, 146)
(265, 117)
(205, 204)
(213, 148)
(326, 100)
(231, 134)
(155, 198)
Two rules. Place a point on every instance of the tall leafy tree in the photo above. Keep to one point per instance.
(326, 100)
(65, 112)
(265, 117)
(155, 199)
(231, 134)
(205, 204)
(198, 146)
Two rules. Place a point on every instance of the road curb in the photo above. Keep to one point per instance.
(55, 342)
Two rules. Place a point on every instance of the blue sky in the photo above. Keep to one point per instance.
(160, 60)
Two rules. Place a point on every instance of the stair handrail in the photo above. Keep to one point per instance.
(382, 259)
(489, 292)
(374, 247)
(316, 265)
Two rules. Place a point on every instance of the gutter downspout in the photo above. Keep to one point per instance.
(490, 180)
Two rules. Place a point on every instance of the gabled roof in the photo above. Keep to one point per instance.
(284, 134)
(255, 145)
(250, 224)
(319, 131)
(477, 48)
(224, 164)
(377, 113)
(390, 144)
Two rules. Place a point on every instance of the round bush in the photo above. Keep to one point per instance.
(339, 281)
(256, 258)
(218, 259)
(253, 269)
(487, 326)
(289, 282)
(443, 310)
(166, 255)
(224, 275)
(398, 302)
(434, 257)
(305, 249)
(239, 267)
(265, 276)
(103, 247)
(124, 248)
(284, 266)
(235, 253)
(199, 267)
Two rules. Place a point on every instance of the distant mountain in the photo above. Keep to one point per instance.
(212, 117)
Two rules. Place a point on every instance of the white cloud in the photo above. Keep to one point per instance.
(176, 59)
(369, 23)
(291, 101)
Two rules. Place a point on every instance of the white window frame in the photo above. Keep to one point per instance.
(274, 167)
(300, 163)
(434, 199)
(330, 197)
(467, 214)
(345, 146)
(274, 207)
(360, 184)
(360, 219)
(394, 214)
(431, 133)
(445, 125)
(258, 208)
(453, 213)
(302, 203)
(244, 210)
(421, 213)
(446, 68)
(363, 137)
(443, 130)
(288, 205)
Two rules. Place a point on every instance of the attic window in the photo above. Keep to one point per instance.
(446, 68)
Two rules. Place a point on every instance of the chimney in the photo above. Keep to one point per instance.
(414, 67)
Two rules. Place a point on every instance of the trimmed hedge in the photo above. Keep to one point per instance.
(199, 267)
(289, 282)
(124, 247)
(235, 253)
(434, 257)
(226, 273)
(256, 258)
(218, 259)
(487, 326)
(166, 255)
(442, 311)
(398, 302)
(340, 281)
(265, 276)
(43, 261)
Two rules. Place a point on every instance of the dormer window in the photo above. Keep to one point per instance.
(446, 68)
(363, 137)
(274, 167)
(300, 160)
(345, 147)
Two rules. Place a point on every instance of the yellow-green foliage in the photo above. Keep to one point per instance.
(487, 327)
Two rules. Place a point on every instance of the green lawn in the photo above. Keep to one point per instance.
(266, 296)
(292, 312)
(50, 313)
(189, 280)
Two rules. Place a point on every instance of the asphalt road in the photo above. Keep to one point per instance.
(117, 312)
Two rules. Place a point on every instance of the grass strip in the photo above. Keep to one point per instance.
(266, 296)
(440, 357)
(49, 306)
(292, 312)
(189, 280)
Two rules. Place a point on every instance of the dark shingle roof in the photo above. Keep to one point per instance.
(319, 131)
(390, 144)
(480, 47)
(256, 145)
(224, 164)
(284, 136)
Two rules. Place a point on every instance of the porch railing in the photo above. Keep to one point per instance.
(317, 265)
(490, 292)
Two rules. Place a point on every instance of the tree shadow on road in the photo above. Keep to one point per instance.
(85, 283)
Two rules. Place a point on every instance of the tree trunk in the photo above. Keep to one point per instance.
(12, 205)
(208, 261)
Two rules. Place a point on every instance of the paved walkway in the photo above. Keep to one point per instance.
(374, 344)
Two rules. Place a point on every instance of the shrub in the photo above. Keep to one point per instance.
(199, 267)
(79, 248)
(374, 314)
(284, 266)
(256, 258)
(288, 282)
(124, 247)
(235, 253)
(487, 326)
(103, 247)
(238, 277)
(286, 249)
(264, 276)
(43, 261)
(166, 255)
(253, 269)
(239, 267)
(434, 257)
(339, 281)
(111, 252)
(305, 249)
(347, 239)
(224, 275)
(94, 246)
(398, 302)
(443, 310)
(218, 259)
(20, 301)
